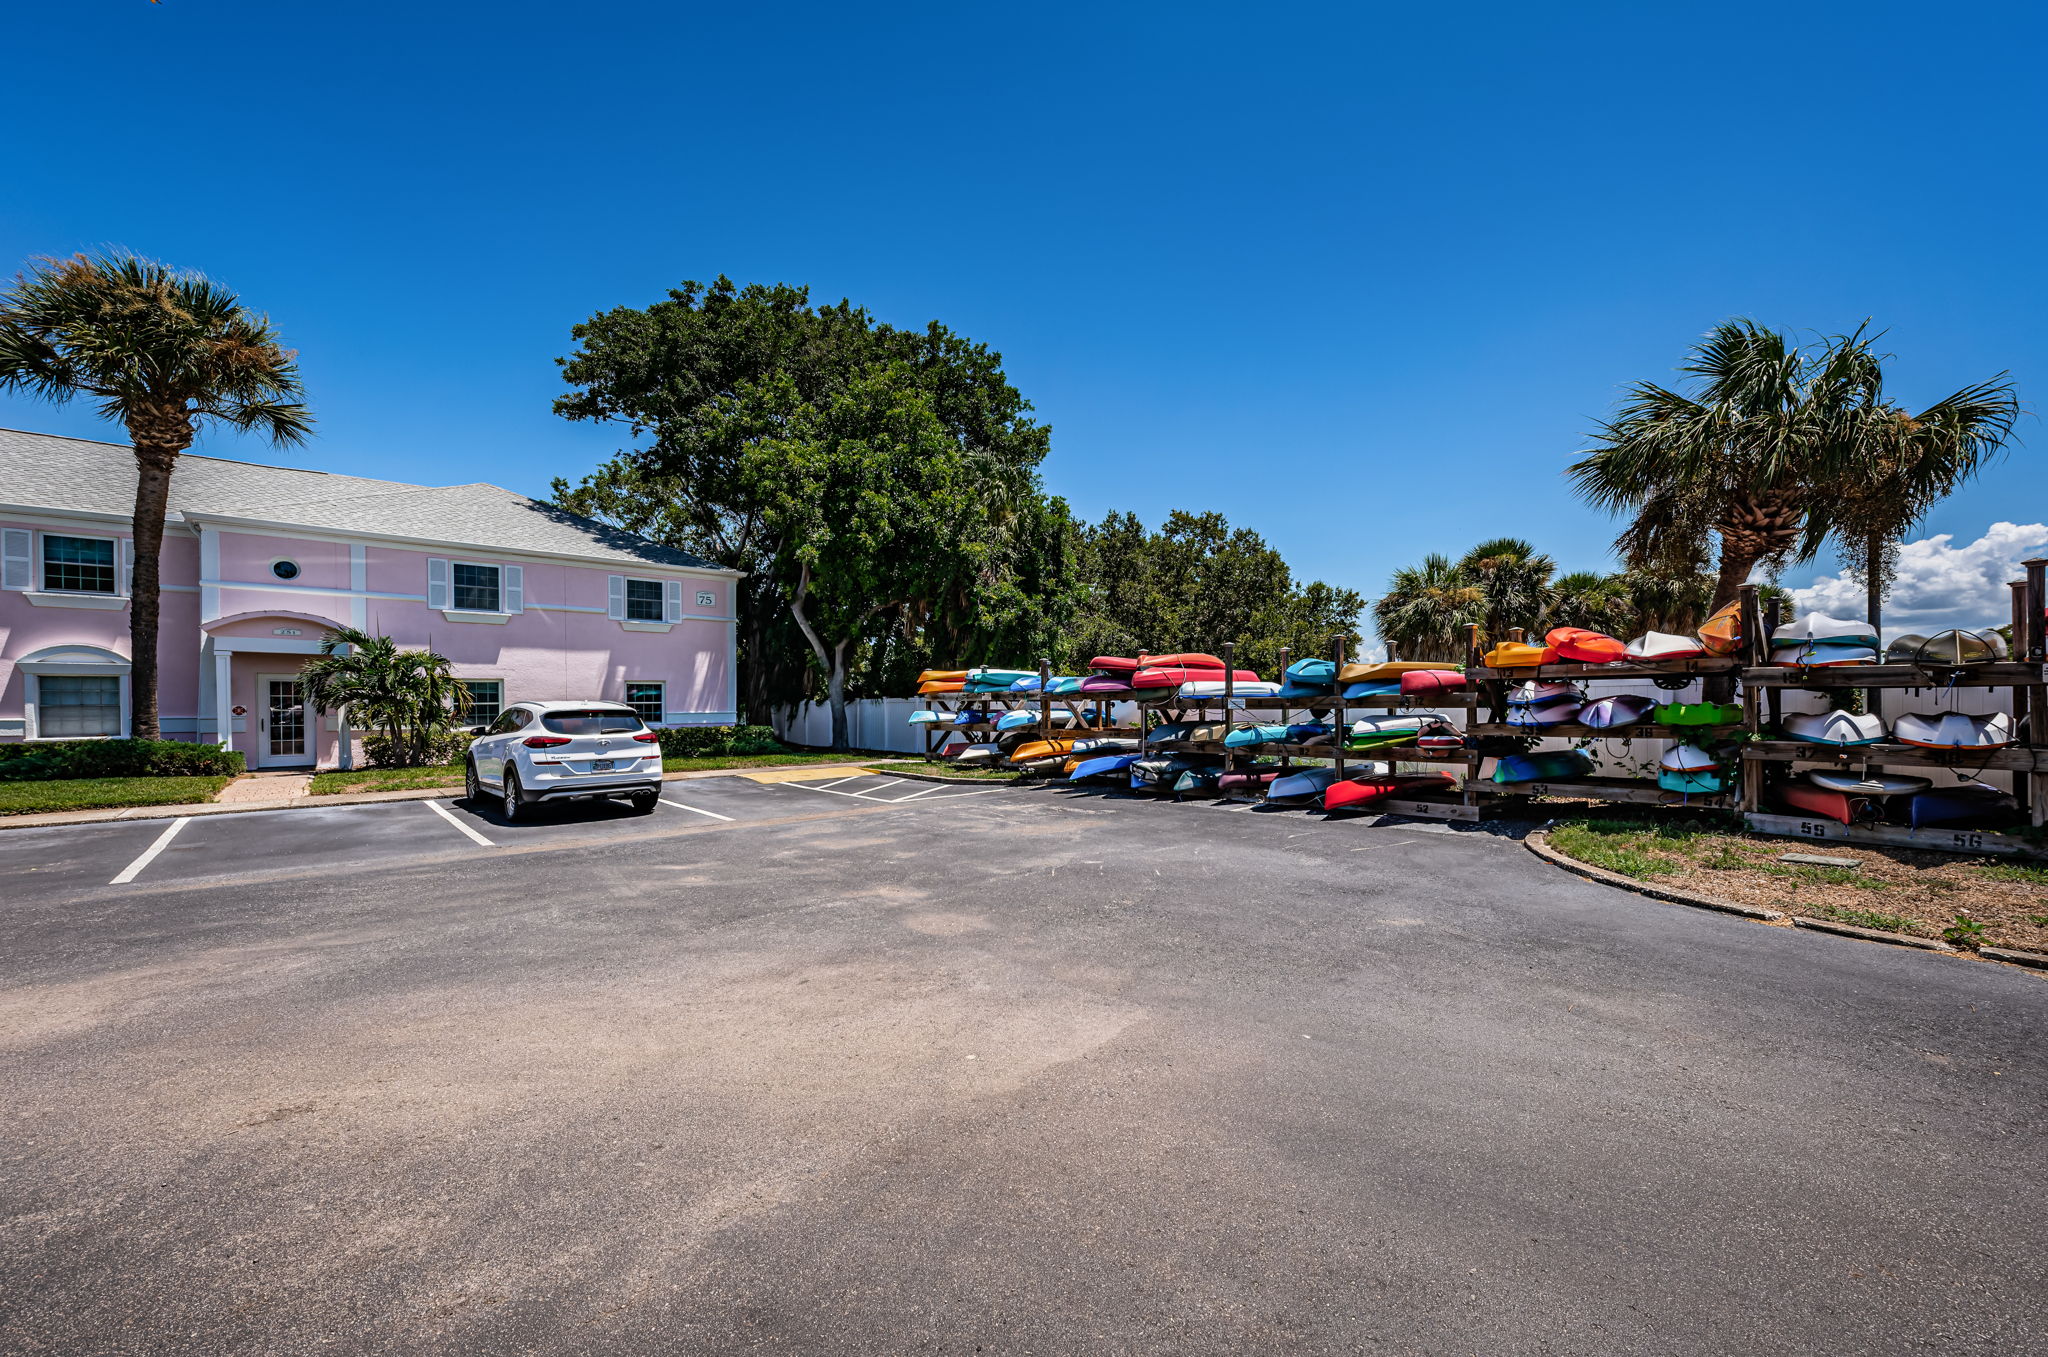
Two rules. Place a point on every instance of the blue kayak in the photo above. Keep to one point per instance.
(1374, 688)
(1107, 765)
(1244, 737)
(1312, 671)
(1546, 767)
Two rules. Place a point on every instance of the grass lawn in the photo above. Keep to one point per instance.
(386, 779)
(103, 793)
(1898, 890)
(944, 769)
(450, 774)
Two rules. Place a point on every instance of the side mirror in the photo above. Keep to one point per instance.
(474, 731)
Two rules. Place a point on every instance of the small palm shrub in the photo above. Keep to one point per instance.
(406, 699)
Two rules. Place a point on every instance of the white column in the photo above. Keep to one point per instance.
(223, 696)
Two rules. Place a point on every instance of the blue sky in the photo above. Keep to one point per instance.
(1361, 276)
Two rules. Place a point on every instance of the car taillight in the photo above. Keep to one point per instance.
(544, 741)
(648, 737)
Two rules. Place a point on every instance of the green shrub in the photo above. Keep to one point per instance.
(67, 759)
(692, 742)
(441, 746)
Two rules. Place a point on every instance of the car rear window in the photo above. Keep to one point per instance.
(596, 721)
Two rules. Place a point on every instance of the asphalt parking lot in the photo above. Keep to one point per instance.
(876, 1066)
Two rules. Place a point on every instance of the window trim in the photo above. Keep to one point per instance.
(497, 568)
(33, 675)
(503, 705)
(660, 717)
(293, 561)
(660, 599)
(42, 563)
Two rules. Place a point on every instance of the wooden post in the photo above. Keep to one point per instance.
(2029, 709)
(1749, 795)
(1774, 698)
(1337, 717)
(1473, 760)
(1044, 698)
(2037, 600)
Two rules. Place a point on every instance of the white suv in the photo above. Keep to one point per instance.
(564, 751)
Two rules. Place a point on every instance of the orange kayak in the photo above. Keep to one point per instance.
(935, 688)
(943, 676)
(1035, 750)
(1721, 634)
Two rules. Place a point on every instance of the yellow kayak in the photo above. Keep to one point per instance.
(1387, 669)
(943, 676)
(1035, 750)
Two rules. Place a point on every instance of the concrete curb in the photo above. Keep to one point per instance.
(2013, 956)
(1870, 934)
(1538, 842)
(129, 813)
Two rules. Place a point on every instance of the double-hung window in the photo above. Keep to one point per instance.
(476, 588)
(486, 700)
(648, 699)
(645, 601)
(73, 706)
(78, 565)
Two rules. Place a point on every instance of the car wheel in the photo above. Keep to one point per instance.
(472, 790)
(644, 805)
(515, 804)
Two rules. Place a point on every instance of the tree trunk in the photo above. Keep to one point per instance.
(159, 436)
(835, 675)
(1873, 582)
(835, 691)
(1750, 532)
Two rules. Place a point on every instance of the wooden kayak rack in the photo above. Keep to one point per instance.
(1747, 677)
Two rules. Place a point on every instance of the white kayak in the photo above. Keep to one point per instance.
(1534, 694)
(1687, 758)
(1834, 727)
(1623, 709)
(1213, 688)
(1652, 646)
(1954, 730)
(979, 753)
(1951, 647)
(1820, 629)
(1821, 654)
(1869, 784)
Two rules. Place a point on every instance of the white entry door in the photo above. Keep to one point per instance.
(284, 722)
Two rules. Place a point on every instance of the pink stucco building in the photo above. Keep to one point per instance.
(525, 600)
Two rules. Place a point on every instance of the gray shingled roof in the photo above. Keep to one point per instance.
(46, 471)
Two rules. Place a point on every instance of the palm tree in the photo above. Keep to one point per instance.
(1900, 465)
(1426, 609)
(1587, 598)
(1513, 580)
(161, 351)
(1741, 460)
(408, 695)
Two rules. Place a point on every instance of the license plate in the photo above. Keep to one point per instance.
(600, 765)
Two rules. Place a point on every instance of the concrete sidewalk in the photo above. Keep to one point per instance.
(238, 797)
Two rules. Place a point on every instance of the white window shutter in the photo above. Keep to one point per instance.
(437, 582)
(672, 601)
(615, 597)
(125, 585)
(17, 559)
(515, 589)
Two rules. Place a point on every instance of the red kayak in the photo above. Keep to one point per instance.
(1361, 791)
(1187, 660)
(1173, 675)
(1820, 801)
(1584, 647)
(1258, 777)
(1113, 664)
(1426, 681)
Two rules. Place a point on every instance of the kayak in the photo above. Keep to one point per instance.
(1106, 744)
(1870, 783)
(943, 676)
(1113, 664)
(1721, 634)
(1820, 654)
(938, 686)
(1372, 688)
(1296, 688)
(1952, 647)
(1312, 671)
(1534, 694)
(1971, 802)
(1834, 728)
(1174, 675)
(1623, 709)
(1193, 659)
(1519, 655)
(1103, 683)
(1033, 750)
(1018, 720)
(1549, 714)
(1953, 730)
(1379, 732)
(1692, 782)
(1360, 791)
(1699, 714)
(1549, 766)
(1823, 801)
(1248, 779)
(1245, 737)
(1653, 647)
(1301, 785)
(1820, 629)
(1580, 646)
(1106, 765)
(979, 753)
(1428, 682)
(1362, 671)
(1198, 780)
(924, 718)
(1213, 688)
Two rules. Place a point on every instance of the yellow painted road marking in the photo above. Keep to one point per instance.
(837, 770)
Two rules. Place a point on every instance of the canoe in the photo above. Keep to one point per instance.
(1372, 688)
(1808, 799)
(943, 676)
(1534, 694)
(1213, 688)
(1367, 671)
(1549, 714)
(1191, 659)
(1954, 648)
(1653, 647)
(1820, 629)
(1870, 783)
(1580, 646)
(1113, 664)
(1699, 714)
(1623, 709)
(1820, 654)
(1104, 765)
(1519, 655)
(1308, 782)
(1549, 766)
(1721, 634)
(1361, 791)
(939, 686)
(1174, 675)
(1429, 682)
(1953, 730)
(1971, 803)
(1834, 728)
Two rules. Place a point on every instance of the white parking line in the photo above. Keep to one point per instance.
(163, 840)
(680, 806)
(891, 800)
(837, 781)
(442, 811)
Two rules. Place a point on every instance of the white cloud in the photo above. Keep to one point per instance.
(1939, 584)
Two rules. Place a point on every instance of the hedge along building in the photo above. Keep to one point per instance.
(525, 600)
